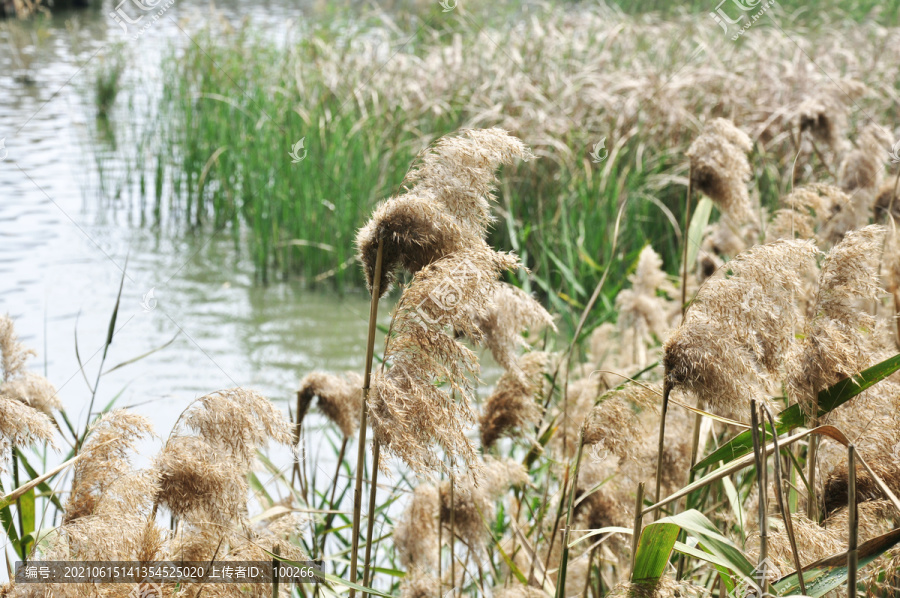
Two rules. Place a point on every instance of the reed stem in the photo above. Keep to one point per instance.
(334, 483)
(559, 514)
(812, 502)
(758, 443)
(276, 550)
(295, 471)
(364, 412)
(661, 446)
(779, 496)
(638, 523)
(853, 524)
(452, 533)
(685, 241)
(564, 558)
(695, 450)
(370, 522)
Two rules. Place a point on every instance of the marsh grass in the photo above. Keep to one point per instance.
(108, 80)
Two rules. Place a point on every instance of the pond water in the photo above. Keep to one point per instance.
(66, 234)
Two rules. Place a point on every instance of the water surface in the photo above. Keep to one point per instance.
(66, 233)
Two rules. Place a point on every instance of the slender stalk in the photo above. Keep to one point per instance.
(537, 524)
(559, 511)
(812, 503)
(79, 441)
(276, 550)
(695, 450)
(564, 558)
(452, 533)
(853, 519)
(686, 240)
(761, 479)
(364, 412)
(782, 504)
(638, 523)
(587, 578)
(337, 474)
(295, 471)
(19, 514)
(440, 554)
(661, 446)
(370, 523)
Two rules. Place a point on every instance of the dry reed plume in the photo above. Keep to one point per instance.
(740, 327)
(836, 338)
(338, 398)
(514, 402)
(26, 399)
(447, 209)
(454, 290)
(719, 168)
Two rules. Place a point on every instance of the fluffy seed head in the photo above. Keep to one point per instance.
(459, 172)
(203, 475)
(513, 403)
(861, 169)
(105, 457)
(425, 398)
(33, 390)
(416, 534)
(13, 354)
(339, 398)
(447, 208)
(420, 585)
(720, 170)
(824, 114)
(472, 505)
(614, 425)
(199, 482)
(25, 398)
(732, 343)
(836, 339)
(238, 419)
(641, 308)
(802, 210)
(511, 312)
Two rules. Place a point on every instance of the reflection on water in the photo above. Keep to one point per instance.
(65, 238)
